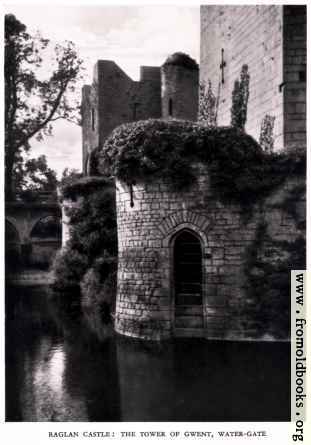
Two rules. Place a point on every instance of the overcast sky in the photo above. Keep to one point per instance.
(129, 35)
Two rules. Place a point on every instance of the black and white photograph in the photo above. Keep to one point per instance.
(155, 206)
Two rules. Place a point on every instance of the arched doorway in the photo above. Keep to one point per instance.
(188, 284)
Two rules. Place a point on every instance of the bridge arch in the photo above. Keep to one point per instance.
(11, 232)
(12, 245)
(12, 224)
(47, 226)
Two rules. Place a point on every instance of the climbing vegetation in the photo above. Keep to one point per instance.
(240, 95)
(266, 139)
(240, 170)
(208, 105)
(267, 269)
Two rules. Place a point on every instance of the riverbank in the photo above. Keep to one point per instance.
(31, 277)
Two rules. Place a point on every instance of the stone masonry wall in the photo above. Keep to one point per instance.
(295, 54)
(181, 86)
(251, 35)
(89, 133)
(116, 99)
(145, 306)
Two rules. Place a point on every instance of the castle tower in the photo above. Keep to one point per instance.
(180, 86)
(114, 99)
(271, 41)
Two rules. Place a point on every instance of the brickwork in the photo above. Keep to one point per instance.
(146, 231)
(295, 54)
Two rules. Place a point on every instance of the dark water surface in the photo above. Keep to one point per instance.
(57, 369)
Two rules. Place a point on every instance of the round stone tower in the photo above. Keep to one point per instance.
(183, 247)
(180, 86)
(155, 226)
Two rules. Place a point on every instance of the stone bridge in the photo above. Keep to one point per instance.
(32, 231)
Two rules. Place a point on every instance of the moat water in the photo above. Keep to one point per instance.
(59, 369)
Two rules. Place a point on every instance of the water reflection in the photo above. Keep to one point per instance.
(57, 369)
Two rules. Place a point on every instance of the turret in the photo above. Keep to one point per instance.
(180, 85)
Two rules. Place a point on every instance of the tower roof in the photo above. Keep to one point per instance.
(181, 59)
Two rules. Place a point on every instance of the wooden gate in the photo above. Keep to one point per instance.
(188, 285)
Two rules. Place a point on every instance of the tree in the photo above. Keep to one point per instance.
(32, 101)
(34, 175)
(240, 96)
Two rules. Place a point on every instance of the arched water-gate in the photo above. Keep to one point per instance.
(187, 281)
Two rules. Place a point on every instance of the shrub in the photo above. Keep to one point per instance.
(89, 259)
(68, 267)
(98, 287)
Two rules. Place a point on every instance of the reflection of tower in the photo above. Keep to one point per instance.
(180, 83)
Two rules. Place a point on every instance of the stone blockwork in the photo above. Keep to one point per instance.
(146, 233)
(114, 98)
(295, 59)
(180, 87)
(271, 40)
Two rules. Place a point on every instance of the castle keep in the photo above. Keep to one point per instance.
(191, 263)
(170, 91)
(271, 41)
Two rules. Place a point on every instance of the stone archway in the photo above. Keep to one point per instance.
(187, 280)
(48, 226)
(45, 239)
(12, 246)
(198, 226)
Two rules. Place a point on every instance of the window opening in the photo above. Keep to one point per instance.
(170, 107)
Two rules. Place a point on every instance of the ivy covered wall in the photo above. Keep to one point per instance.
(246, 206)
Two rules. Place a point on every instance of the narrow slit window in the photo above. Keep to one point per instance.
(135, 111)
(302, 75)
(93, 119)
(170, 107)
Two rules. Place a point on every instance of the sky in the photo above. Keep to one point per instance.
(129, 35)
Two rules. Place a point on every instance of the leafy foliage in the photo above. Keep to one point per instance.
(240, 171)
(240, 95)
(181, 59)
(207, 106)
(34, 175)
(89, 258)
(266, 140)
(75, 185)
(33, 102)
(268, 282)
